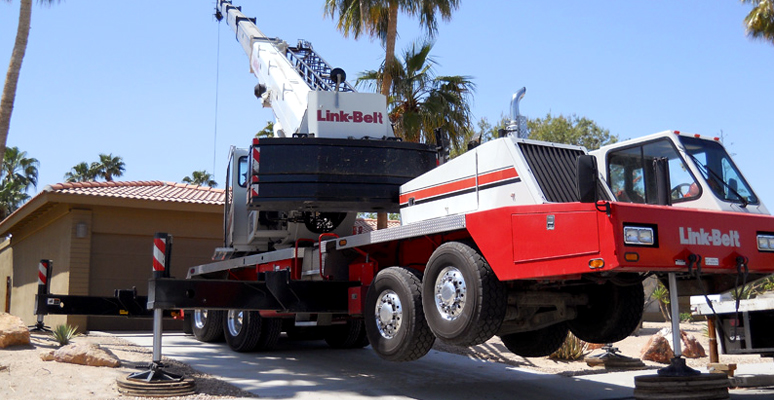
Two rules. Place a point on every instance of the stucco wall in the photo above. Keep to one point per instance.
(121, 252)
(47, 237)
(98, 248)
(6, 273)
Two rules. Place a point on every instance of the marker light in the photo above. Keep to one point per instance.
(639, 236)
(766, 242)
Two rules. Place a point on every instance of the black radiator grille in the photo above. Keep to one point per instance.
(554, 169)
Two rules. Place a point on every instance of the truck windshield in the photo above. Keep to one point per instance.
(715, 165)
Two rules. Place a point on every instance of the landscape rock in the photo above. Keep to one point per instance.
(658, 344)
(658, 350)
(47, 355)
(691, 347)
(13, 332)
(87, 354)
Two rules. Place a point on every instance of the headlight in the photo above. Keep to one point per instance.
(639, 236)
(766, 242)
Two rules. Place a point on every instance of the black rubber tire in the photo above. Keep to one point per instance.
(485, 300)
(613, 313)
(271, 329)
(538, 343)
(351, 335)
(246, 339)
(210, 327)
(413, 338)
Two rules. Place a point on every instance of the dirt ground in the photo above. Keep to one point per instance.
(23, 375)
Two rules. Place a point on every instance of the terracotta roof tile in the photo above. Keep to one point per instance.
(143, 190)
(363, 225)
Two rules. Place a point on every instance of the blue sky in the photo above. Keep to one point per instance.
(138, 78)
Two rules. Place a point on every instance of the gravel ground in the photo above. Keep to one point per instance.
(23, 375)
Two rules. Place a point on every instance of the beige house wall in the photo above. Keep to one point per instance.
(98, 248)
(46, 237)
(6, 274)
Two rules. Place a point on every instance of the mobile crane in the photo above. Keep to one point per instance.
(518, 238)
(508, 239)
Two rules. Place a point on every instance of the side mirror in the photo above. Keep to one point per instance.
(588, 178)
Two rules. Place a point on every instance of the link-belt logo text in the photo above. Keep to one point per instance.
(712, 237)
(355, 117)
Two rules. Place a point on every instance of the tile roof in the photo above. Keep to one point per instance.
(143, 190)
(363, 225)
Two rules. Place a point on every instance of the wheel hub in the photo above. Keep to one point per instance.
(200, 318)
(450, 293)
(389, 314)
(235, 320)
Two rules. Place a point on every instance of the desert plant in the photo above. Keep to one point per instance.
(64, 333)
(661, 294)
(572, 349)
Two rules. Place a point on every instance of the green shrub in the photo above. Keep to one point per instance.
(64, 333)
(572, 349)
(686, 317)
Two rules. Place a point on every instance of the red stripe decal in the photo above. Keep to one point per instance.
(462, 184)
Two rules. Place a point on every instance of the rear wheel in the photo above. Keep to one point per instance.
(464, 301)
(537, 343)
(351, 335)
(613, 313)
(207, 325)
(242, 330)
(271, 329)
(395, 322)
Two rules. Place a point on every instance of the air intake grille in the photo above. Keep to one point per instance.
(554, 169)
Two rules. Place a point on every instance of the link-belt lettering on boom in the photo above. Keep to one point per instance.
(355, 117)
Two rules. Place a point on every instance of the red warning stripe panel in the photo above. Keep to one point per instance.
(42, 273)
(443, 189)
(159, 247)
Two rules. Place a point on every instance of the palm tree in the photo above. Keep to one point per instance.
(109, 167)
(201, 178)
(759, 23)
(420, 101)
(18, 173)
(17, 167)
(379, 18)
(14, 67)
(81, 172)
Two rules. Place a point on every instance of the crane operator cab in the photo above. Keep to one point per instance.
(700, 172)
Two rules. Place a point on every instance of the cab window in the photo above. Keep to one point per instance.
(632, 178)
(242, 171)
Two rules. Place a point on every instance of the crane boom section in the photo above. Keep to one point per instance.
(299, 87)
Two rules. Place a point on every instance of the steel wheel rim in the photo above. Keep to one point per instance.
(389, 314)
(235, 322)
(450, 293)
(200, 318)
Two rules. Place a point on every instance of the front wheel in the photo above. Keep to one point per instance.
(538, 343)
(207, 325)
(613, 313)
(395, 322)
(464, 301)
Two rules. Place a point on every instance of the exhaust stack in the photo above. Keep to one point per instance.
(518, 124)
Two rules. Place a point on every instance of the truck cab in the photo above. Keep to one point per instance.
(701, 173)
